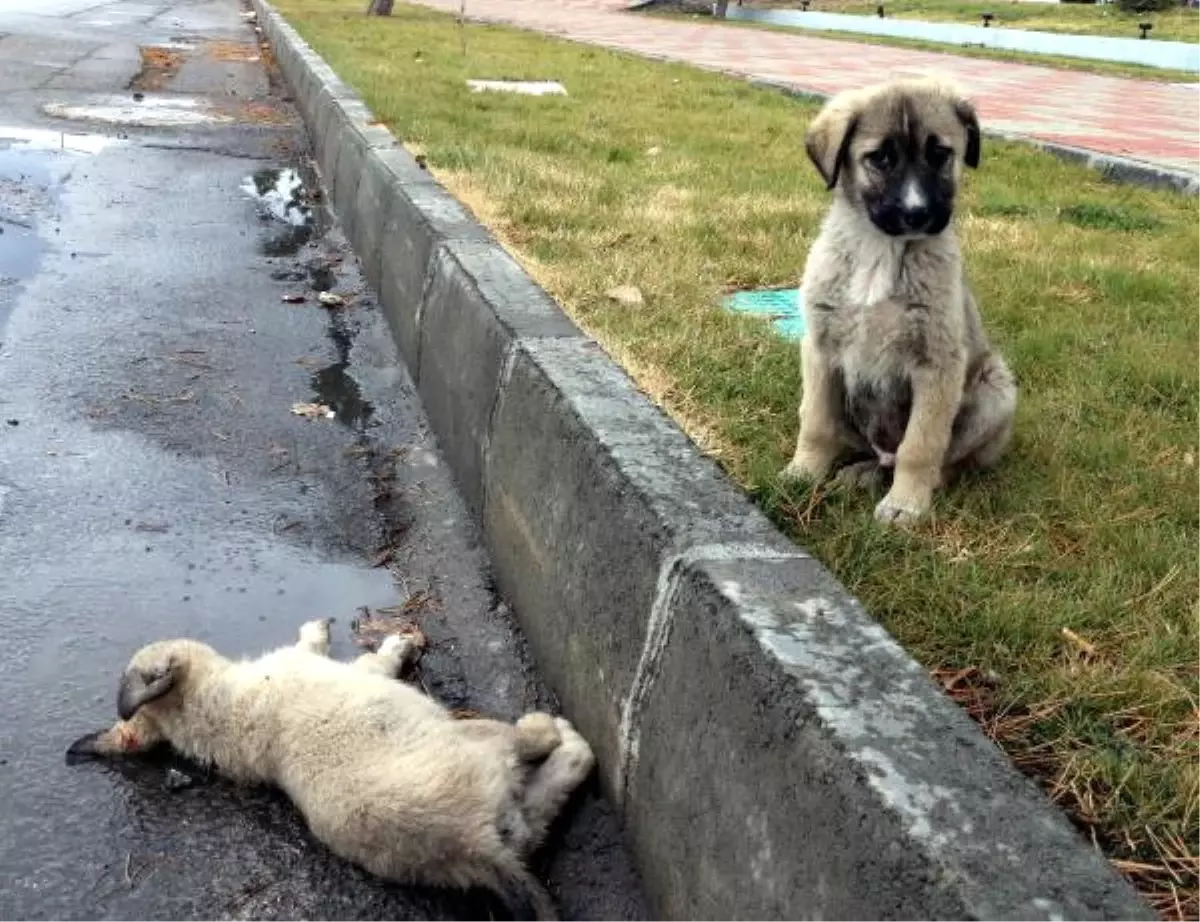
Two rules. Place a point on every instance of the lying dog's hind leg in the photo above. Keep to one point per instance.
(314, 636)
(396, 652)
(983, 428)
(552, 782)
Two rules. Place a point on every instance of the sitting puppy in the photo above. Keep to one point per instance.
(384, 775)
(898, 374)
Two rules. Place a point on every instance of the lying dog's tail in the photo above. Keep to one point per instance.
(523, 894)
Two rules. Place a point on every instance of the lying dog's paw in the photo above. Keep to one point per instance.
(901, 510)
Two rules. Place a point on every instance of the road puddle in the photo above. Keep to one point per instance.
(337, 389)
(34, 162)
(282, 197)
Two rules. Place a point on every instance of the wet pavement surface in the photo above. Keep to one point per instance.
(154, 481)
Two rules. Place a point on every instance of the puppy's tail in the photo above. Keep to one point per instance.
(523, 894)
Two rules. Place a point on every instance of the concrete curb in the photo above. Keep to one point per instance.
(774, 753)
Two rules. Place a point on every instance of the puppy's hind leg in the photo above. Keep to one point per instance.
(395, 653)
(983, 428)
(314, 636)
(552, 782)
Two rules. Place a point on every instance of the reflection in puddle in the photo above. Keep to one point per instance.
(337, 389)
(281, 195)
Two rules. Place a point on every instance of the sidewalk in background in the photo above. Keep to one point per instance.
(1154, 123)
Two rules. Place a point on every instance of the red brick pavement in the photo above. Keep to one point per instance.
(1138, 119)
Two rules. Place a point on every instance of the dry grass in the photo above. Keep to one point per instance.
(684, 184)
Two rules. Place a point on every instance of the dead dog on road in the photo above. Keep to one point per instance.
(898, 375)
(385, 776)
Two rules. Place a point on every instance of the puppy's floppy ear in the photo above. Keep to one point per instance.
(829, 136)
(970, 122)
(140, 686)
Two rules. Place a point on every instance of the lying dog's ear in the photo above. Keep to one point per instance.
(828, 139)
(970, 122)
(139, 686)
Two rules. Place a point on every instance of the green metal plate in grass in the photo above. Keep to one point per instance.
(782, 306)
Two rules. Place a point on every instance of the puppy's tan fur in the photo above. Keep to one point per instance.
(384, 775)
(895, 313)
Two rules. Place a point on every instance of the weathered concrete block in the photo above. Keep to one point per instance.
(831, 772)
(346, 169)
(373, 199)
(421, 216)
(590, 490)
(477, 305)
(325, 132)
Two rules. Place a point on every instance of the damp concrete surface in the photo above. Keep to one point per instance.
(155, 483)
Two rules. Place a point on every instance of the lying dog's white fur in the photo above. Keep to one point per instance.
(383, 774)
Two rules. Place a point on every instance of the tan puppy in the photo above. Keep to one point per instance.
(899, 376)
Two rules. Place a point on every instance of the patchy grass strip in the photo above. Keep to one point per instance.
(1058, 592)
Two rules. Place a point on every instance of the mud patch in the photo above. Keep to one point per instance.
(232, 51)
(159, 67)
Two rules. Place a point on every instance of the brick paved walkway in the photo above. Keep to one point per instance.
(1138, 119)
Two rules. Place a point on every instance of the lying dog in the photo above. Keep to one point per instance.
(898, 375)
(384, 776)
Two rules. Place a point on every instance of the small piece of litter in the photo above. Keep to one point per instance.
(629, 295)
(176, 780)
(524, 87)
(1085, 647)
(329, 299)
(293, 299)
(653, 151)
(312, 410)
(783, 307)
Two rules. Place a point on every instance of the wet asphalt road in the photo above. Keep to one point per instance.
(154, 482)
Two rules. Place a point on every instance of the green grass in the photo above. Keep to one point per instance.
(685, 183)
(1108, 68)
(1179, 24)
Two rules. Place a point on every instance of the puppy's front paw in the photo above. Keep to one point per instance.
(806, 468)
(902, 509)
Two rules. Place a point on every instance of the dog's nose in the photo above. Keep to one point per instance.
(916, 218)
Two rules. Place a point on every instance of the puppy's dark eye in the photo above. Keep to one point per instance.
(938, 155)
(882, 159)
